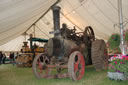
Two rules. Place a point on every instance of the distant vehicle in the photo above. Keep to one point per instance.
(25, 58)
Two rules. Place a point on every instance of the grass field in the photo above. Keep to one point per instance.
(11, 75)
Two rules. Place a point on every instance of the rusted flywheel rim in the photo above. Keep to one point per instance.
(76, 66)
(88, 35)
(40, 68)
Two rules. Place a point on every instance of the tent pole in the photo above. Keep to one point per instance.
(25, 36)
(34, 30)
(121, 27)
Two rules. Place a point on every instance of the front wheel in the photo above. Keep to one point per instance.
(76, 66)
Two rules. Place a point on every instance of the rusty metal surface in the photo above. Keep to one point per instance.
(43, 69)
(99, 55)
(76, 66)
(39, 67)
(66, 47)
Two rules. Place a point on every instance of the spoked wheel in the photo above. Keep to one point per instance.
(88, 36)
(76, 66)
(39, 66)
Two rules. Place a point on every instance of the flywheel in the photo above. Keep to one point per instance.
(88, 38)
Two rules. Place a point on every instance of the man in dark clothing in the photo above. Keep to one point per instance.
(4, 58)
(1, 56)
(12, 58)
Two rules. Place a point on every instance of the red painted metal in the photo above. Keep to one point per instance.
(42, 69)
(76, 66)
(80, 69)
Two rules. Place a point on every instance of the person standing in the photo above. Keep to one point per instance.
(4, 58)
(12, 57)
(1, 56)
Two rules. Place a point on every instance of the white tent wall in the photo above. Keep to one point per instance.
(17, 43)
(13, 45)
(17, 15)
(102, 15)
(45, 25)
(91, 12)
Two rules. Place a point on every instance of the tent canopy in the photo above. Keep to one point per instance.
(17, 16)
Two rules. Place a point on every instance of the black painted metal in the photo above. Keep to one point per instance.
(56, 20)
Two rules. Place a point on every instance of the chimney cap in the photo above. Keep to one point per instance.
(56, 8)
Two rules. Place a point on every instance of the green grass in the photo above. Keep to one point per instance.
(11, 75)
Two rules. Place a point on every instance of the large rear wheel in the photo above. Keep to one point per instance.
(99, 55)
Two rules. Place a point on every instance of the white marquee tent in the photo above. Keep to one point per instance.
(17, 17)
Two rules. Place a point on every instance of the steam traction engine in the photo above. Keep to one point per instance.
(27, 54)
(69, 50)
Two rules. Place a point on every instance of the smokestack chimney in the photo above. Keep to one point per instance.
(56, 20)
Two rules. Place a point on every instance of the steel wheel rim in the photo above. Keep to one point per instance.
(79, 66)
(76, 67)
(40, 66)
